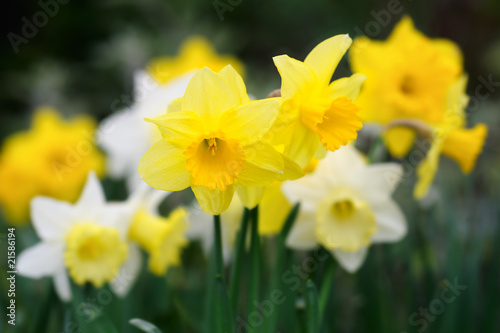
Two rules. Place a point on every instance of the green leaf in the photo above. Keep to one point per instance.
(144, 326)
(89, 313)
(312, 307)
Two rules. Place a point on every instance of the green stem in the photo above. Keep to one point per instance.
(312, 307)
(238, 259)
(281, 251)
(218, 246)
(253, 295)
(325, 288)
(375, 147)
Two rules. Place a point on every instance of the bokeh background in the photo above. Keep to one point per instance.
(84, 58)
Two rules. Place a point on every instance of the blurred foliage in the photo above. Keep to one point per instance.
(84, 59)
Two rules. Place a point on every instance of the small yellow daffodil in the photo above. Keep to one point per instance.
(452, 139)
(195, 53)
(314, 110)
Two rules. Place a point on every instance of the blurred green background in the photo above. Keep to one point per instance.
(84, 58)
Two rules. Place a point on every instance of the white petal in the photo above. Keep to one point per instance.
(125, 137)
(91, 201)
(61, 282)
(41, 260)
(391, 222)
(302, 236)
(350, 261)
(378, 181)
(117, 215)
(51, 218)
(129, 272)
(308, 190)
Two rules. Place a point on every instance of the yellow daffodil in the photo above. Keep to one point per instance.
(452, 139)
(163, 238)
(346, 206)
(408, 77)
(53, 158)
(214, 141)
(86, 241)
(195, 53)
(314, 110)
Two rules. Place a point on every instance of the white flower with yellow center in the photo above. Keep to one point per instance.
(125, 136)
(346, 205)
(86, 241)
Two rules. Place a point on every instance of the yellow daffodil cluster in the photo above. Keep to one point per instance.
(52, 158)
(416, 84)
(215, 139)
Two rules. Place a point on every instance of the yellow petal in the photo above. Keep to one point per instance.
(365, 55)
(399, 141)
(427, 169)
(291, 170)
(339, 125)
(451, 51)
(249, 122)
(346, 86)
(236, 83)
(179, 128)
(262, 166)
(325, 57)
(273, 210)
(209, 95)
(301, 144)
(163, 167)
(404, 31)
(250, 195)
(295, 76)
(213, 202)
(465, 145)
(175, 105)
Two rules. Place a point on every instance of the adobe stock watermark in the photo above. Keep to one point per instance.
(93, 306)
(222, 6)
(425, 315)
(30, 28)
(292, 279)
(381, 19)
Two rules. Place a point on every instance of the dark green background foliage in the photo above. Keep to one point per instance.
(83, 59)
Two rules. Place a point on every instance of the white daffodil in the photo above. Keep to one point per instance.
(346, 205)
(162, 238)
(125, 136)
(86, 241)
(201, 227)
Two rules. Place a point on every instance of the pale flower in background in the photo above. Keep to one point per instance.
(125, 136)
(85, 241)
(346, 206)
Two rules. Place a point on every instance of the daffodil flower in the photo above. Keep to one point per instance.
(195, 53)
(451, 139)
(162, 238)
(316, 114)
(126, 137)
(214, 142)
(52, 158)
(85, 241)
(346, 205)
(408, 77)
